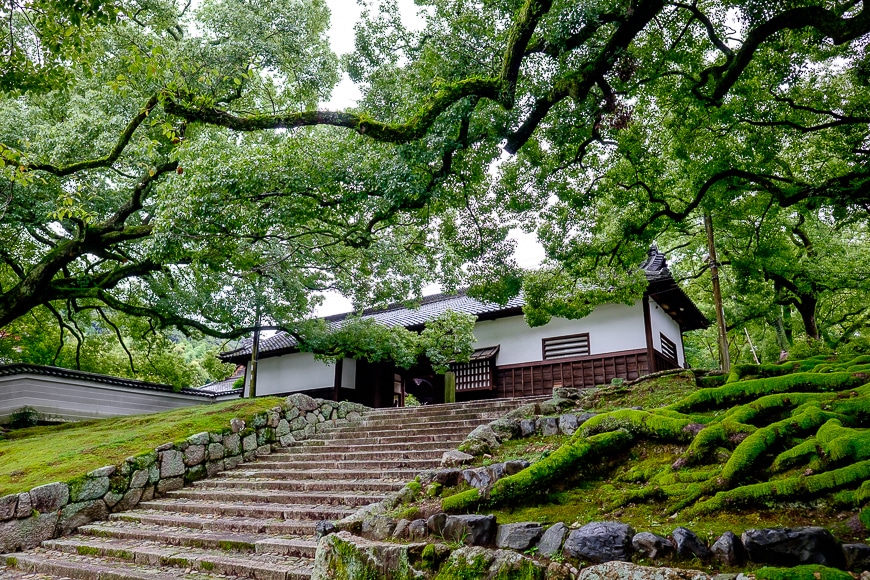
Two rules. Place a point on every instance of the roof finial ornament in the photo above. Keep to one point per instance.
(653, 249)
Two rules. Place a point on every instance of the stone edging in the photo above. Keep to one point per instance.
(55, 509)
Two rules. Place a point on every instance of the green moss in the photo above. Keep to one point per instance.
(88, 551)
(12, 561)
(206, 565)
(462, 569)
(734, 393)
(808, 572)
(864, 516)
(78, 448)
(639, 423)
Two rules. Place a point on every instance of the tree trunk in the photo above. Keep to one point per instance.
(807, 309)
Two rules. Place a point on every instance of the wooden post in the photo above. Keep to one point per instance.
(724, 356)
(255, 355)
(449, 387)
(650, 349)
(337, 382)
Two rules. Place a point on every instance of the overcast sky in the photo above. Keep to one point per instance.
(345, 14)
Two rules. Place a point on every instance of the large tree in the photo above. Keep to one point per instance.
(185, 174)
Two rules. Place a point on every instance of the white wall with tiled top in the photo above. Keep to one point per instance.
(662, 323)
(611, 328)
(300, 371)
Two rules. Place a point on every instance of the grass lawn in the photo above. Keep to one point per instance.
(39, 455)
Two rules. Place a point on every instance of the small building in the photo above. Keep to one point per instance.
(55, 394)
(510, 358)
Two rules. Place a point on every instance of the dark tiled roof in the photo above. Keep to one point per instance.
(24, 368)
(220, 387)
(655, 268)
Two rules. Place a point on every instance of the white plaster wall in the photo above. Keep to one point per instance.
(611, 328)
(662, 323)
(66, 399)
(300, 371)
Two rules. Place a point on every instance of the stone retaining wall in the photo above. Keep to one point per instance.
(55, 509)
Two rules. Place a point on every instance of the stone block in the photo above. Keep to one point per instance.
(88, 488)
(568, 424)
(649, 545)
(107, 471)
(272, 419)
(519, 536)
(171, 464)
(8, 503)
(170, 484)
(232, 462)
(236, 424)
(78, 514)
(24, 507)
(282, 428)
(527, 427)
(301, 401)
(232, 444)
(547, 426)
(23, 534)
(215, 451)
(249, 443)
(793, 546)
(50, 497)
(728, 550)
(857, 556)
(600, 542)
(688, 545)
(435, 524)
(264, 450)
(199, 439)
(194, 455)
(455, 458)
(473, 529)
(212, 468)
(552, 539)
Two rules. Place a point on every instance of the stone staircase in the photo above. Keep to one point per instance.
(258, 520)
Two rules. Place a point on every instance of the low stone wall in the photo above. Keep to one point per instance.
(55, 509)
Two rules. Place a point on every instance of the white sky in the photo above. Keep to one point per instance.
(345, 14)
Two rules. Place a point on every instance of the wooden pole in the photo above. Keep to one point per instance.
(255, 356)
(724, 358)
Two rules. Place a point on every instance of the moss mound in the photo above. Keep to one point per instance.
(812, 572)
(768, 436)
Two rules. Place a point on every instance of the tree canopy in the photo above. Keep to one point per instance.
(179, 169)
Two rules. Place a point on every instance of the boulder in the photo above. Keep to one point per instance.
(27, 533)
(232, 444)
(793, 546)
(688, 545)
(324, 528)
(129, 500)
(342, 556)
(527, 427)
(49, 498)
(475, 447)
(140, 478)
(568, 424)
(302, 402)
(583, 417)
(455, 458)
(88, 488)
(74, 515)
(199, 439)
(479, 563)
(473, 529)
(436, 523)
(600, 542)
(215, 451)
(514, 466)
(107, 471)
(8, 503)
(857, 556)
(519, 536)
(486, 434)
(651, 545)
(728, 550)
(401, 528)
(25, 506)
(418, 529)
(505, 429)
(551, 541)
(236, 424)
(447, 477)
(479, 477)
(547, 426)
(194, 455)
(628, 571)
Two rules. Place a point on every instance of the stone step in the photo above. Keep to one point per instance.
(282, 472)
(80, 567)
(226, 541)
(413, 464)
(281, 512)
(408, 421)
(409, 426)
(299, 484)
(391, 439)
(447, 409)
(365, 444)
(258, 566)
(218, 523)
(384, 455)
(439, 433)
(278, 497)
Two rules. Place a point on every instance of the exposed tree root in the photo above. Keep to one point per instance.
(798, 432)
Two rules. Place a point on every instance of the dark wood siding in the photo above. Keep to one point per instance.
(539, 378)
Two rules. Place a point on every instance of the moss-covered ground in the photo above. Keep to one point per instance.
(766, 446)
(40, 455)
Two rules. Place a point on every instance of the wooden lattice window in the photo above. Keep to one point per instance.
(669, 349)
(478, 374)
(566, 346)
